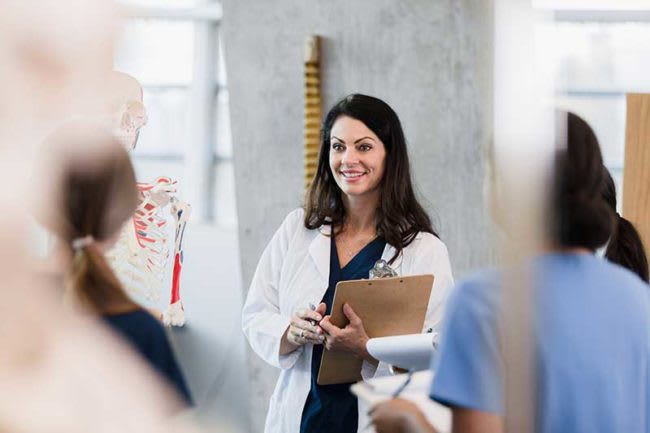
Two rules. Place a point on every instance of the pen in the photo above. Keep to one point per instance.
(312, 307)
(394, 394)
(403, 386)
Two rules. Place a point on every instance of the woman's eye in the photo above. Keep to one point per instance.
(337, 146)
(365, 147)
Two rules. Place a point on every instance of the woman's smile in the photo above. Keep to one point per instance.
(353, 176)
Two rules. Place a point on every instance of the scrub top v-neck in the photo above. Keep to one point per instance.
(333, 408)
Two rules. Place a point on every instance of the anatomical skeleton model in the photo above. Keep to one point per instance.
(141, 255)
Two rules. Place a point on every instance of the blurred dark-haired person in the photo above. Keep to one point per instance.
(94, 189)
(360, 207)
(625, 246)
(591, 325)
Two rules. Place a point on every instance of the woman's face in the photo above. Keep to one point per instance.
(357, 157)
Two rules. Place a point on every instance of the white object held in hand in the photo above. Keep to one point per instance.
(412, 352)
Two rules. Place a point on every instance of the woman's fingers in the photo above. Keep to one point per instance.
(314, 339)
(328, 327)
(294, 336)
(351, 315)
(307, 326)
(308, 314)
(304, 326)
(304, 333)
(302, 336)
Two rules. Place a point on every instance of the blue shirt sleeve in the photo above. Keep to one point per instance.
(647, 391)
(467, 368)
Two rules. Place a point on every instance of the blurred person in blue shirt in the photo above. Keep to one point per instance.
(95, 193)
(591, 327)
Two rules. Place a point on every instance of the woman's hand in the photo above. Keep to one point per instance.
(399, 416)
(352, 338)
(301, 331)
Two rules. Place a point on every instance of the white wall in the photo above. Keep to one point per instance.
(210, 347)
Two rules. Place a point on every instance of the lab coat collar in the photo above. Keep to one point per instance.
(320, 249)
(389, 251)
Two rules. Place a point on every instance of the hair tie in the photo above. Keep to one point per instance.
(83, 242)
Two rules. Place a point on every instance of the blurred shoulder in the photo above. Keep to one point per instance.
(479, 292)
(137, 315)
(625, 278)
(138, 323)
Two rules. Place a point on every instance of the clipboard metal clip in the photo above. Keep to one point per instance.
(381, 270)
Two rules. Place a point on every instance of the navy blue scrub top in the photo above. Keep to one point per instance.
(147, 336)
(333, 408)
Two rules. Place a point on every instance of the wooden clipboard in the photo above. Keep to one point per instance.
(387, 306)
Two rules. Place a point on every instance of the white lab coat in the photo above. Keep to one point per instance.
(294, 272)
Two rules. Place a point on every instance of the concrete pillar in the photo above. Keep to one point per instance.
(430, 60)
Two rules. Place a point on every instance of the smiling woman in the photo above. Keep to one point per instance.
(357, 157)
(363, 164)
(360, 207)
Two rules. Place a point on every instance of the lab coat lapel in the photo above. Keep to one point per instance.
(389, 252)
(319, 251)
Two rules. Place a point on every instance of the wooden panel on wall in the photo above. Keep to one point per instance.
(636, 174)
(312, 106)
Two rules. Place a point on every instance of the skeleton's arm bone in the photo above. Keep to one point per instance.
(175, 314)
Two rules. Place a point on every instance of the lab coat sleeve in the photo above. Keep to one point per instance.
(262, 321)
(435, 260)
(431, 257)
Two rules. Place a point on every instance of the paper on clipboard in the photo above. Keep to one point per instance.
(381, 389)
(387, 306)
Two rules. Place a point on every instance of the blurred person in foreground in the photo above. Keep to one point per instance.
(95, 194)
(591, 328)
(59, 372)
(625, 247)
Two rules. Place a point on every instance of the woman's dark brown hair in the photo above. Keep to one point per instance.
(581, 216)
(625, 246)
(95, 193)
(399, 214)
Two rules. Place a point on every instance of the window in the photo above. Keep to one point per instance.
(602, 56)
(173, 48)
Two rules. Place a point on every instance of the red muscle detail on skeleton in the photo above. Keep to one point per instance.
(140, 258)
